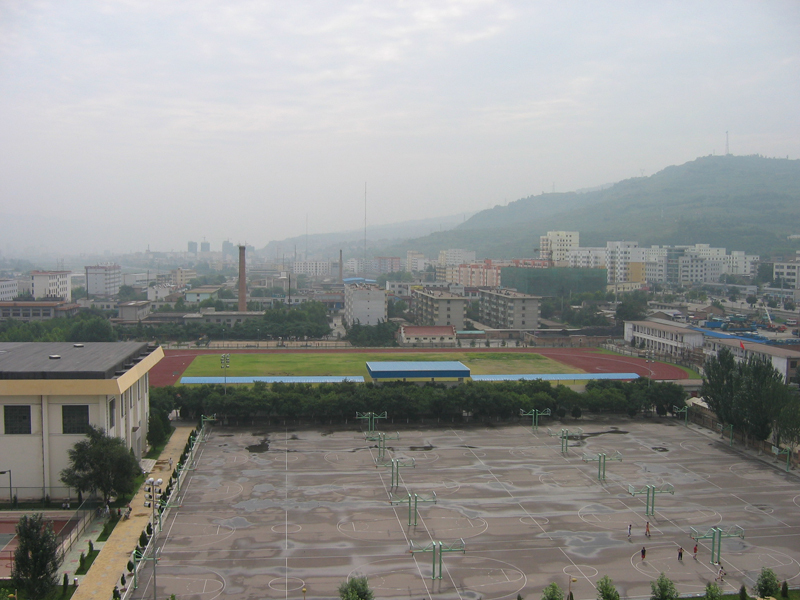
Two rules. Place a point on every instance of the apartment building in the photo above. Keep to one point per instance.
(556, 245)
(586, 258)
(509, 309)
(386, 264)
(439, 308)
(364, 303)
(618, 258)
(788, 272)
(49, 284)
(103, 280)
(456, 256)
(9, 289)
(312, 268)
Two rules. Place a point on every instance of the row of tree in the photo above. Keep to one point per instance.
(752, 397)
(406, 400)
(87, 326)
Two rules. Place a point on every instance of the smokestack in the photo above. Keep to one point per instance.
(341, 267)
(242, 280)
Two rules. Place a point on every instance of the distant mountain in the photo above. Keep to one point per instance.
(327, 245)
(746, 203)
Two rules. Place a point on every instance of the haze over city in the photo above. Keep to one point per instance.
(135, 124)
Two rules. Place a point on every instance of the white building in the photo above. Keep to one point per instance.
(135, 279)
(50, 284)
(663, 338)
(586, 258)
(364, 304)
(556, 244)
(50, 392)
(354, 265)
(740, 263)
(618, 258)
(788, 272)
(456, 256)
(158, 293)
(9, 289)
(785, 361)
(103, 280)
(312, 268)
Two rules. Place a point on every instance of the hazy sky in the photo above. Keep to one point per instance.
(125, 123)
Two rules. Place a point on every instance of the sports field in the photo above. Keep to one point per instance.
(307, 364)
(286, 514)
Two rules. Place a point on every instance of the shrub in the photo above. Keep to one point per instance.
(130, 566)
(784, 589)
(143, 539)
(81, 562)
(606, 589)
(552, 592)
(576, 412)
(712, 592)
(767, 583)
(742, 593)
(663, 589)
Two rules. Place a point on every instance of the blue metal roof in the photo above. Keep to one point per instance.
(309, 379)
(728, 336)
(417, 369)
(556, 377)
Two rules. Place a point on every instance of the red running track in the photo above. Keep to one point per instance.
(590, 360)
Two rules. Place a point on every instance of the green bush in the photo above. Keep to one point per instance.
(767, 583)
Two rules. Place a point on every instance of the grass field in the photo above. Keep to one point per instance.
(311, 364)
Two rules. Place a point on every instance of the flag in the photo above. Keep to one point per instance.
(741, 343)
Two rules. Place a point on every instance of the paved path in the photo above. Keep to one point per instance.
(110, 564)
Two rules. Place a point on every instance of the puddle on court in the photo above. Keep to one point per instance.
(660, 449)
(427, 448)
(262, 446)
(598, 433)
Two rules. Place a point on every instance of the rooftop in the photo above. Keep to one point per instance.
(65, 360)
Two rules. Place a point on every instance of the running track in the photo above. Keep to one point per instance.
(589, 360)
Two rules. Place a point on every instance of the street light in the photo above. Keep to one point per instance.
(151, 499)
(225, 364)
(10, 496)
(569, 587)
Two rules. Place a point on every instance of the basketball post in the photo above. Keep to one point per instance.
(778, 451)
(371, 418)
(721, 428)
(601, 459)
(535, 414)
(651, 491)
(685, 411)
(715, 534)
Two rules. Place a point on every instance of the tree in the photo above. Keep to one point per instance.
(552, 592)
(767, 583)
(720, 381)
(101, 463)
(663, 589)
(36, 560)
(356, 588)
(712, 592)
(606, 589)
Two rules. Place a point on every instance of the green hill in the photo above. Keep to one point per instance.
(746, 203)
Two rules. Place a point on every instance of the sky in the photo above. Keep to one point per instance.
(128, 124)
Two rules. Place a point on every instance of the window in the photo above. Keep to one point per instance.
(112, 411)
(74, 418)
(18, 419)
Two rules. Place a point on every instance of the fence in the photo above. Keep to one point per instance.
(47, 497)
(72, 527)
(660, 357)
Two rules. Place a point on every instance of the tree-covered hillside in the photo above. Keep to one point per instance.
(746, 203)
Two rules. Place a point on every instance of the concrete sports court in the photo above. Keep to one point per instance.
(268, 513)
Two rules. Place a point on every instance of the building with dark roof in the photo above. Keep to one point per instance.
(50, 392)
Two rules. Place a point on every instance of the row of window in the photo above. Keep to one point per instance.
(74, 418)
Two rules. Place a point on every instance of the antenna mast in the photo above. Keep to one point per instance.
(365, 228)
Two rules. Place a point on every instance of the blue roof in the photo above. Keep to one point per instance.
(282, 379)
(417, 369)
(727, 336)
(556, 377)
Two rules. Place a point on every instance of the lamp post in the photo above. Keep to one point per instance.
(151, 500)
(304, 593)
(10, 495)
(569, 587)
(225, 364)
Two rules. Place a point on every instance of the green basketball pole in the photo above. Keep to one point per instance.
(535, 414)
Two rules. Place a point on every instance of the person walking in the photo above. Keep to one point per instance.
(170, 463)
(680, 553)
(720, 574)
(694, 552)
(647, 529)
(644, 552)
(629, 530)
